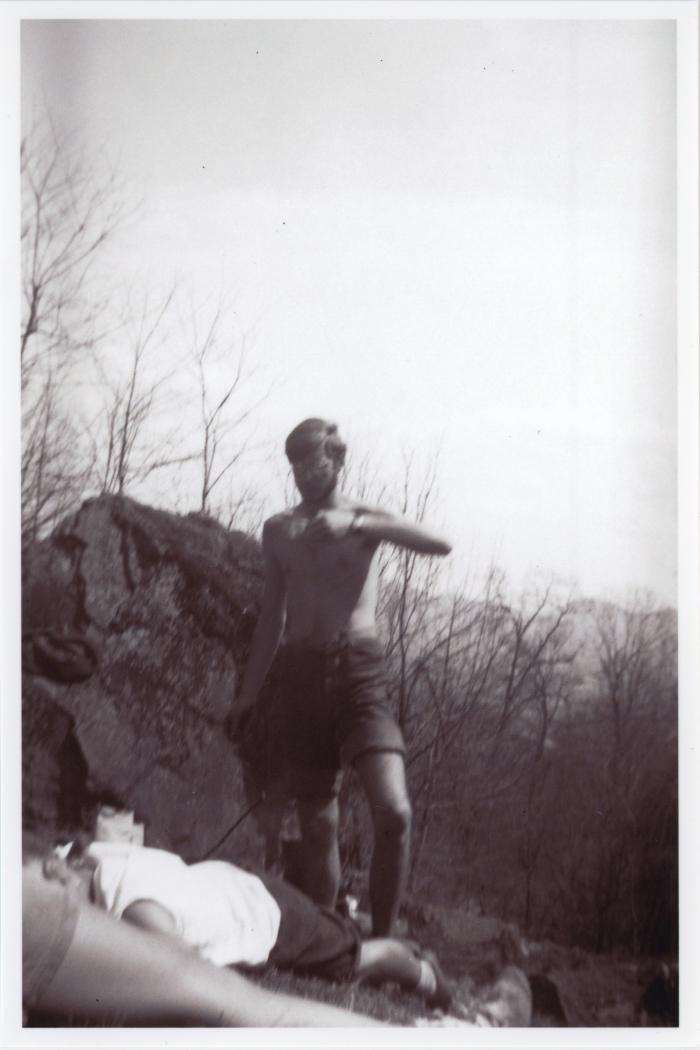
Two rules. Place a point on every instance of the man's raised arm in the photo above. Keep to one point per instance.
(378, 526)
(391, 528)
(267, 635)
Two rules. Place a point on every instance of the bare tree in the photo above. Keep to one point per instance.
(70, 208)
(130, 445)
(409, 583)
(53, 476)
(225, 382)
(484, 692)
(244, 509)
(609, 802)
(637, 707)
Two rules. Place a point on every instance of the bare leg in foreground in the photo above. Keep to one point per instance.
(112, 970)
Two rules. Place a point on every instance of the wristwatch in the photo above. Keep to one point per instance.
(356, 523)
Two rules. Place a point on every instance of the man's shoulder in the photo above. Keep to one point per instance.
(279, 524)
(280, 519)
(364, 507)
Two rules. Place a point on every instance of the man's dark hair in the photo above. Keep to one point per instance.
(308, 435)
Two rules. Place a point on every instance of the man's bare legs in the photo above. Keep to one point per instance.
(320, 857)
(387, 959)
(268, 817)
(383, 777)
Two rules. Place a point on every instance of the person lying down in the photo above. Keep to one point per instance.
(79, 964)
(233, 918)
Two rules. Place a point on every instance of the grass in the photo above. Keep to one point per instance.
(389, 1003)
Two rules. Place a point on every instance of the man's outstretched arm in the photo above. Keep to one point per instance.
(378, 526)
(391, 528)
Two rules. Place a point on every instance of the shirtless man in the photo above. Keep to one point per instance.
(321, 581)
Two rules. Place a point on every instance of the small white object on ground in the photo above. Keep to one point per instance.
(507, 1003)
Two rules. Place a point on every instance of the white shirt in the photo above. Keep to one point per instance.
(226, 914)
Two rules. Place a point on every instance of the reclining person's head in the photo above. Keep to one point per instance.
(71, 865)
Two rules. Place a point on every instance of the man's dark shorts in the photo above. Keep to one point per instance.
(312, 940)
(335, 709)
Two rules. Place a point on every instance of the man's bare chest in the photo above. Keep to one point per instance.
(328, 559)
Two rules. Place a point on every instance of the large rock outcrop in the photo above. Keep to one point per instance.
(168, 603)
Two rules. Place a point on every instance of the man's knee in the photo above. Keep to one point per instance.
(393, 821)
(320, 827)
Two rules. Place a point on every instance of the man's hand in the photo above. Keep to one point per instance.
(333, 524)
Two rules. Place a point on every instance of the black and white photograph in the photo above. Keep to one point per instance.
(351, 532)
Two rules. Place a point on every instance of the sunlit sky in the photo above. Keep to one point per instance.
(455, 235)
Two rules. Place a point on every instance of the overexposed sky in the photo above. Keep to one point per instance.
(453, 233)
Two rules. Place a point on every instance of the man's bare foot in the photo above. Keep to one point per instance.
(443, 995)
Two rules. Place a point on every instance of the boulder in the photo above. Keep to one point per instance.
(168, 603)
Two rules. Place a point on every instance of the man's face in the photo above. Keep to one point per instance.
(316, 473)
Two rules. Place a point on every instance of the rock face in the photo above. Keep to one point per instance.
(168, 603)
